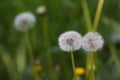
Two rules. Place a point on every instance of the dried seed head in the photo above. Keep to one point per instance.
(92, 42)
(41, 10)
(24, 21)
(70, 41)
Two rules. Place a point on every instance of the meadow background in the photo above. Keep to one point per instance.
(61, 16)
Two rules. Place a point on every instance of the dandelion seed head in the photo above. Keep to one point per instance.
(92, 42)
(41, 10)
(70, 41)
(24, 21)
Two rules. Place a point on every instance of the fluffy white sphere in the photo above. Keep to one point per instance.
(24, 21)
(92, 42)
(70, 41)
(41, 10)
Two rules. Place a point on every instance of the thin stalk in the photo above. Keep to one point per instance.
(89, 27)
(30, 51)
(87, 66)
(47, 47)
(79, 78)
(87, 15)
(90, 56)
(73, 65)
(92, 66)
(97, 15)
(29, 47)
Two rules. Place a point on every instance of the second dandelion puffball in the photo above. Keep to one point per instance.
(70, 41)
(41, 10)
(92, 42)
(24, 21)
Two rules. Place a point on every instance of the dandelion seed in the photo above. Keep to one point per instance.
(24, 21)
(70, 41)
(92, 42)
(41, 10)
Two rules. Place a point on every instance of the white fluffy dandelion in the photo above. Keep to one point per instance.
(70, 41)
(24, 21)
(41, 10)
(92, 42)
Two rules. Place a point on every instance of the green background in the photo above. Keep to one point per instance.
(62, 15)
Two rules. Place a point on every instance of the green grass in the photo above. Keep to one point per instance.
(62, 15)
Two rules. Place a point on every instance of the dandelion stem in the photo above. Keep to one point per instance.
(92, 65)
(90, 61)
(97, 15)
(29, 47)
(73, 65)
(87, 15)
(30, 51)
(47, 47)
(89, 27)
(87, 66)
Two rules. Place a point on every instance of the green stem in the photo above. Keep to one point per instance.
(73, 65)
(90, 56)
(92, 66)
(87, 15)
(30, 51)
(79, 78)
(89, 27)
(47, 47)
(97, 15)
(87, 66)
(29, 47)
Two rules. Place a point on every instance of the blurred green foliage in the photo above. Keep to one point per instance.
(62, 15)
